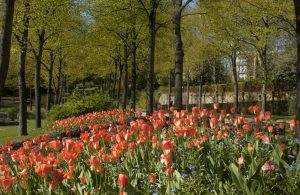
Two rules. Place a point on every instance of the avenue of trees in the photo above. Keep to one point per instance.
(130, 47)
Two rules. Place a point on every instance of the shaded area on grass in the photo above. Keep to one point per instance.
(11, 132)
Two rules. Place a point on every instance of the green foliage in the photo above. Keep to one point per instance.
(78, 105)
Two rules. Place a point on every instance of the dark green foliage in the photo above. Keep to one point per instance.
(78, 105)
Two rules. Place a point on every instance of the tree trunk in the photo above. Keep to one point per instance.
(61, 85)
(178, 45)
(133, 70)
(151, 55)
(263, 89)
(114, 94)
(125, 81)
(200, 91)
(5, 41)
(22, 82)
(119, 81)
(215, 81)
(235, 81)
(170, 90)
(188, 91)
(38, 62)
(50, 74)
(59, 78)
(30, 98)
(222, 95)
(63, 89)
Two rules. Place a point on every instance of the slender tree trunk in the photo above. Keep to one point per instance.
(50, 74)
(38, 62)
(264, 60)
(188, 91)
(263, 90)
(63, 90)
(5, 41)
(222, 95)
(215, 82)
(151, 55)
(115, 79)
(22, 82)
(235, 81)
(30, 98)
(119, 81)
(179, 54)
(61, 84)
(170, 89)
(59, 78)
(125, 81)
(273, 102)
(133, 70)
(200, 90)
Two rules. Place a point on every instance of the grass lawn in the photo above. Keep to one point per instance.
(11, 132)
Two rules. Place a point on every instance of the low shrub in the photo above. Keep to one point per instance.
(78, 105)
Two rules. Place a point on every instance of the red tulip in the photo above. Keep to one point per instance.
(268, 167)
(6, 183)
(122, 120)
(267, 115)
(52, 184)
(195, 110)
(215, 106)
(122, 180)
(250, 109)
(240, 120)
(213, 122)
(152, 177)
(58, 175)
(167, 146)
(172, 108)
(166, 159)
(282, 147)
(82, 180)
(219, 135)
(236, 141)
(43, 170)
(270, 129)
(223, 113)
(232, 110)
(55, 145)
(293, 124)
(265, 139)
(256, 109)
(169, 170)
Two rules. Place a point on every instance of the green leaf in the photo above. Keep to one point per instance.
(277, 154)
(131, 190)
(238, 179)
(212, 162)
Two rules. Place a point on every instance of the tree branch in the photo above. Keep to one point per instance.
(186, 4)
(144, 7)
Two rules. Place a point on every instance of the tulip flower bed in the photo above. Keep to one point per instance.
(120, 152)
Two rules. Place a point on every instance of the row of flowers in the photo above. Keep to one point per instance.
(169, 152)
